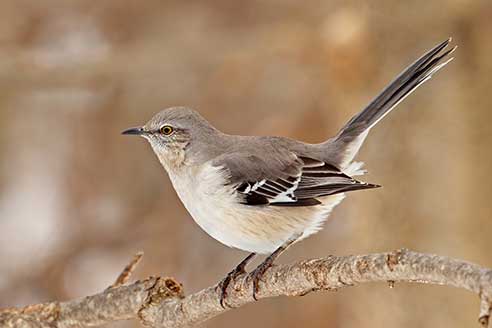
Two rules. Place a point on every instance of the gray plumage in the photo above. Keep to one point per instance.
(255, 193)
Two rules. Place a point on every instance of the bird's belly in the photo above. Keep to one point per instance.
(260, 229)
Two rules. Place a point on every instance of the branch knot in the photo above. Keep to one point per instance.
(162, 289)
(394, 258)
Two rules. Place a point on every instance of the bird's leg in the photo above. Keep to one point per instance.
(260, 270)
(238, 270)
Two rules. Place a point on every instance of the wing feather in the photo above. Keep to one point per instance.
(298, 183)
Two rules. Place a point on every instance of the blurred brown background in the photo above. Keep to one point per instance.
(77, 199)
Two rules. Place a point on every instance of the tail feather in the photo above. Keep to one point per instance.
(347, 142)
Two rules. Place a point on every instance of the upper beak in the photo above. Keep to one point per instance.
(134, 131)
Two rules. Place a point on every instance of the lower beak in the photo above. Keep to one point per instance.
(134, 131)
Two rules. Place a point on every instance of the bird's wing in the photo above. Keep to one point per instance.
(288, 181)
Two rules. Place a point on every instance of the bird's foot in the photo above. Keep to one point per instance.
(261, 269)
(258, 273)
(236, 272)
(224, 283)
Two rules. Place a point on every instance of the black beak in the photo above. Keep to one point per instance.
(134, 131)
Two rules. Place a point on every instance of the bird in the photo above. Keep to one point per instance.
(261, 194)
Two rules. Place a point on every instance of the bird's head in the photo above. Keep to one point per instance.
(170, 133)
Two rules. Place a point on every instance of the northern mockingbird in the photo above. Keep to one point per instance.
(261, 194)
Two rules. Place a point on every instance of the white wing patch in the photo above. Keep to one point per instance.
(277, 191)
(314, 179)
(285, 195)
(257, 185)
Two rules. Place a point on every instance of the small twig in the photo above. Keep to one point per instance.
(127, 271)
(485, 308)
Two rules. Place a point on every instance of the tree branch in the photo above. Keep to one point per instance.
(159, 302)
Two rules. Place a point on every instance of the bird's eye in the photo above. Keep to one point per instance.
(166, 130)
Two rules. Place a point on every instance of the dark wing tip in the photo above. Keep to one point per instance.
(358, 185)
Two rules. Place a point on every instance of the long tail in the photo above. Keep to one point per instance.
(345, 145)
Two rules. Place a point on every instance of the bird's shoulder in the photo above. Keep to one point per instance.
(266, 157)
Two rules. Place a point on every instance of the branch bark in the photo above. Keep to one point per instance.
(160, 302)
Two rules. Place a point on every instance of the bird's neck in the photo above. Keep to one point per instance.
(173, 159)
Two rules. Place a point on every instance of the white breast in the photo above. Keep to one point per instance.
(202, 191)
(260, 229)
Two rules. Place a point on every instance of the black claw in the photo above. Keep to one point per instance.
(224, 283)
(223, 290)
(257, 274)
(223, 287)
